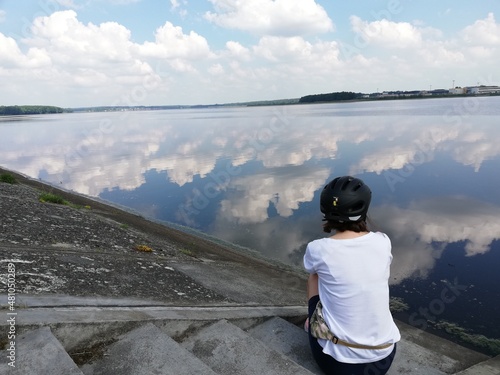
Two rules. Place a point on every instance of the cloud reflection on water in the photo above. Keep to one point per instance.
(280, 167)
(421, 232)
(252, 195)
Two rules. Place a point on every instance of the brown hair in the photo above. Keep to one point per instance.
(338, 226)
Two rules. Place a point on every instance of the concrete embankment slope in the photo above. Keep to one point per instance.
(89, 301)
(90, 248)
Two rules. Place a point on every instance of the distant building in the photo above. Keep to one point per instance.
(439, 92)
(398, 94)
(469, 90)
(412, 93)
(458, 91)
(483, 90)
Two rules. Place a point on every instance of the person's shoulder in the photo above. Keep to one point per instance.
(317, 242)
(382, 236)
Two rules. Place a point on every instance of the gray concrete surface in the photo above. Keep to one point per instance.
(422, 350)
(289, 339)
(228, 350)
(489, 367)
(245, 283)
(39, 352)
(146, 350)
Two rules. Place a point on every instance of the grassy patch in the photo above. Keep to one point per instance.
(4, 344)
(91, 354)
(188, 252)
(51, 198)
(8, 178)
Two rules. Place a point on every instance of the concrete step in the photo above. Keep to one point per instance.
(292, 341)
(488, 367)
(421, 353)
(418, 353)
(288, 339)
(38, 352)
(228, 350)
(91, 327)
(147, 350)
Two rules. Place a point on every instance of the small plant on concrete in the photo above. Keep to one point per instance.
(8, 178)
(144, 248)
(187, 252)
(51, 198)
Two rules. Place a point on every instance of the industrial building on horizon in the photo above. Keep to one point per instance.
(468, 90)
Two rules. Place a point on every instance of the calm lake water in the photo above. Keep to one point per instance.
(252, 176)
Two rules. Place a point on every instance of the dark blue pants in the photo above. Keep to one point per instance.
(330, 366)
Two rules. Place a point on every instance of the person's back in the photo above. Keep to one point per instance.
(349, 274)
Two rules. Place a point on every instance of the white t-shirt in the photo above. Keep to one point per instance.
(354, 290)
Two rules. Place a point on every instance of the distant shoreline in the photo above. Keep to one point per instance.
(262, 103)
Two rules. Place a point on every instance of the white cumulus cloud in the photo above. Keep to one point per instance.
(69, 41)
(171, 42)
(387, 33)
(11, 56)
(238, 51)
(483, 32)
(268, 17)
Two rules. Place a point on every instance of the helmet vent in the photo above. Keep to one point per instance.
(345, 184)
(357, 187)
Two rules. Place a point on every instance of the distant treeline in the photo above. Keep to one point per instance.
(270, 102)
(28, 110)
(331, 97)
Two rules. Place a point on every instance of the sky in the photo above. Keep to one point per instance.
(78, 53)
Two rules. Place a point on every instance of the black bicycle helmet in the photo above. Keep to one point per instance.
(345, 199)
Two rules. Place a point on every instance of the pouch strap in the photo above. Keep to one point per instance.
(338, 341)
(327, 334)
